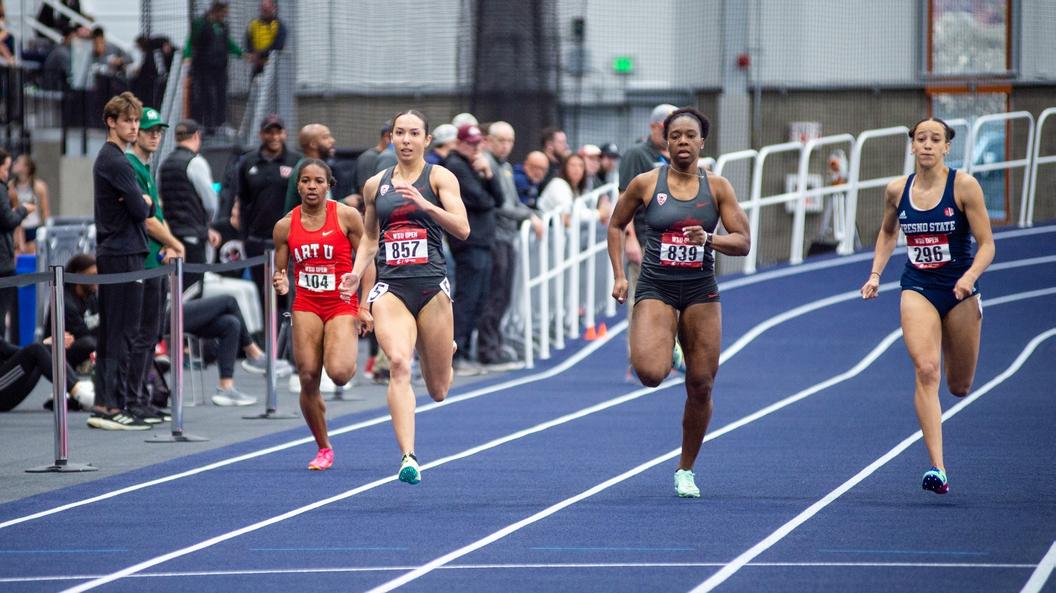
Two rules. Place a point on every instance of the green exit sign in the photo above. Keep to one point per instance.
(623, 65)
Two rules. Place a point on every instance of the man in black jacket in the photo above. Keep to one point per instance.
(10, 218)
(262, 179)
(185, 183)
(121, 246)
(482, 194)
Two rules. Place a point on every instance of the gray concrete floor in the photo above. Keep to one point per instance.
(27, 436)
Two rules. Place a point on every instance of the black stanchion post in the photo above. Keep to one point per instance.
(270, 343)
(176, 355)
(58, 384)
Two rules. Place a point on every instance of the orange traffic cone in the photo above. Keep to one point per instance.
(602, 330)
(590, 335)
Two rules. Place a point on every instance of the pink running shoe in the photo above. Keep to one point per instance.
(323, 460)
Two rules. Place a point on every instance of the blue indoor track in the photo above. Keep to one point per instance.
(559, 478)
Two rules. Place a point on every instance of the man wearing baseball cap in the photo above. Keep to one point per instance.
(482, 194)
(161, 246)
(610, 162)
(185, 181)
(262, 180)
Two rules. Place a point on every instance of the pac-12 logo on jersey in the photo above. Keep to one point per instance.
(661, 198)
(948, 211)
(383, 189)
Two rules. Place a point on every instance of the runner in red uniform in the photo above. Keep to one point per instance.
(321, 236)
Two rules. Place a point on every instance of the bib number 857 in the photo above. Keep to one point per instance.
(403, 249)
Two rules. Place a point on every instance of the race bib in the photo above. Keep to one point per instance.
(677, 251)
(375, 293)
(406, 246)
(317, 278)
(927, 252)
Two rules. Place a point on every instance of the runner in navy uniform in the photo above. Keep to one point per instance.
(942, 313)
(677, 293)
(408, 208)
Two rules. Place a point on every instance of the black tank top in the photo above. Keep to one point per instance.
(668, 256)
(411, 242)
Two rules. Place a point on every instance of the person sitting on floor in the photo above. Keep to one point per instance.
(22, 368)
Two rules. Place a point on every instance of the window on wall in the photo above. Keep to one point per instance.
(969, 38)
(968, 46)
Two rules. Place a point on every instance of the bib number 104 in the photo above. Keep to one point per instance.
(316, 282)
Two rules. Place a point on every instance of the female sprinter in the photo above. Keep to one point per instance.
(408, 208)
(321, 235)
(942, 312)
(677, 294)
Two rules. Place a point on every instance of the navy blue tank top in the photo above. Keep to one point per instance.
(667, 255)
(938, 241)
(410, 244)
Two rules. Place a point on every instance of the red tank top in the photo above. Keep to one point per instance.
(320, 257)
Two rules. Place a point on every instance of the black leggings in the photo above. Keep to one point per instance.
(20, 373)
(218, 317)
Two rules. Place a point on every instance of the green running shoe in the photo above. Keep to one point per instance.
(409, 471)
(685, 485)
(678, 359)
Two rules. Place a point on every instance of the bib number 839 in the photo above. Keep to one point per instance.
(682, 253)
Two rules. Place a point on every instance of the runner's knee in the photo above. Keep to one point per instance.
(927, 371)
(958, 387)
(699, 387)
(341, 375)
(400, 367)
(652, 377)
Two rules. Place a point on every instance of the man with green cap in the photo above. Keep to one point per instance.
(162, 246)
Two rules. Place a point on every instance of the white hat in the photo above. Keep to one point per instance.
(660, 113)
(464, 118)
(443, 134)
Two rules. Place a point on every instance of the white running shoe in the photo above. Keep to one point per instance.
(685, 485)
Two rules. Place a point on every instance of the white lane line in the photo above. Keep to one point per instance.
(521, 566)
(553, 509)
(494, 443)
(370, 486)
(752, 553)
(567, 364)
(852, 372)
(737, 347)
(560, 368)
(858, 257)
(1042, 572)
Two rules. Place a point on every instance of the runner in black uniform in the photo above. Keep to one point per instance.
(407, 210)
(677, 293)
(938, 209)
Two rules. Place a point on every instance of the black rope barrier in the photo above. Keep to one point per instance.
(56, 278)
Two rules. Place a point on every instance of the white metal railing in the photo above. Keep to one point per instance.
(856, 184)
(554, 299)
(756, 200)
(1026, 213)
(567, 251)
(800, 217)
(972, 167)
